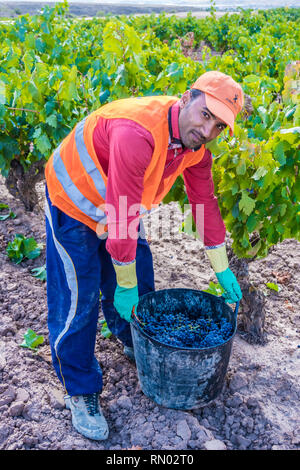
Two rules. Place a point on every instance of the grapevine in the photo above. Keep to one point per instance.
(54, 70)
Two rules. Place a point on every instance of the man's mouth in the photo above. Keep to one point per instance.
(198, 137)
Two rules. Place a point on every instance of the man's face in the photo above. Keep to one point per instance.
(197, 125)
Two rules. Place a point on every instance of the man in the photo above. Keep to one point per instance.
(121, 159)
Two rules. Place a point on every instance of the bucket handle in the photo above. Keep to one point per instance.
(236, 308)
(134, 315)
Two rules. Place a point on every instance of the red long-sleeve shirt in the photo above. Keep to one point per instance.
(124, 149)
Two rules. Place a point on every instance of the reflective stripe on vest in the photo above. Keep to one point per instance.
(87, 160)
(83, 204)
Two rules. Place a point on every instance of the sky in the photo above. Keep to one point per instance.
(198, 3)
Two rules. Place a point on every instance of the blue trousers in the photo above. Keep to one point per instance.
(78, 269)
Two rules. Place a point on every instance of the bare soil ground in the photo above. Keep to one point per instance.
(258, 408)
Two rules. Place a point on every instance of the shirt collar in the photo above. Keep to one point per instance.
(174, 135)
(173, 124)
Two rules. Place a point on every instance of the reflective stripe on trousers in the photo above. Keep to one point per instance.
(78, 268)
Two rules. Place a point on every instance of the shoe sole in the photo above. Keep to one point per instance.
(85, 433)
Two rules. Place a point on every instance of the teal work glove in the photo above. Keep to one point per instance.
(229, 283)
(126, 294)
(124, 301)
(219, 262)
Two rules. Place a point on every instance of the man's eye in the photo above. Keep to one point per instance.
(205, 114)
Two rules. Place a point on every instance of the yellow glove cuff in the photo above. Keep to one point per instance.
(218, 258)
(126, 274)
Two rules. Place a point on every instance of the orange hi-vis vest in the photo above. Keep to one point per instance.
(75, 179)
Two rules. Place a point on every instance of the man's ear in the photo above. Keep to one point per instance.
(185, 99)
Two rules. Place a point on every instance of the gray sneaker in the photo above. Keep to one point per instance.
(87, 416)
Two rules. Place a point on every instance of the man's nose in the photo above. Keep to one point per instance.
(208, 129)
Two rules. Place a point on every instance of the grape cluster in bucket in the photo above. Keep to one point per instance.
(185, 331)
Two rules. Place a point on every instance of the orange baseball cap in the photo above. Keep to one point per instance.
(224, 97)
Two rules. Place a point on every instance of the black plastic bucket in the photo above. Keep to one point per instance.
(181, 378)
